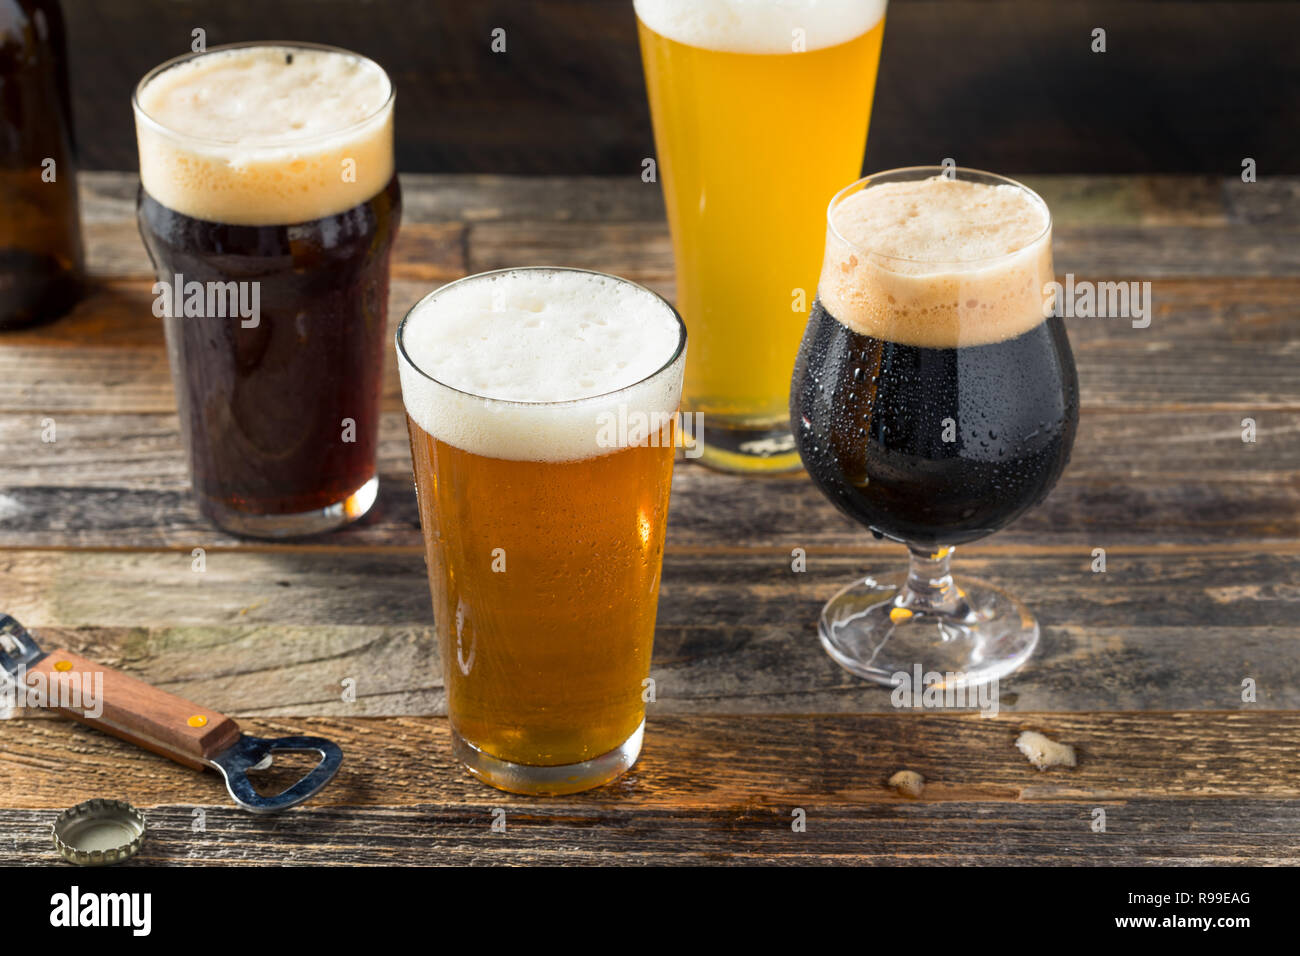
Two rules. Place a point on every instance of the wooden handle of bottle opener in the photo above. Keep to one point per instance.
(125, 707)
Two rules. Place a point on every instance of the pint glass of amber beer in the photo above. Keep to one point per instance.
(268, 203)
(760, 112)
(541, 405)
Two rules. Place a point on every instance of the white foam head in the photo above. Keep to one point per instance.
(760, 26)
(527, 364)
(265, 134)
(938, 262)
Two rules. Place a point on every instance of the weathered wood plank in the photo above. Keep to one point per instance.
(1198, 595)
(479, 198)
(1131, 200)
(709, 512)
(812, 761)
(637, 250)
(428, 251)
(1222, 343)
(448, 200)
(1155, 832)
(119, 481)
(143, 451)
(1144, 252)
(1136, 227)
(1160, 252)
(1135, 480)
(1271, 200)
(52, 368)
(1172, 199)
(291, 671)
(1175, 787)
(278, 633)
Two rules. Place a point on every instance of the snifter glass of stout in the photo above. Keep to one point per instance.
(268, 203)
(935, 401)
(541, 405)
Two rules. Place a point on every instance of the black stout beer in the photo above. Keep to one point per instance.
(40, 230)
(934, 400)
(933, 446)
(269, 204)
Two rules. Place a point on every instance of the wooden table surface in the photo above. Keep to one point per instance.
(1140, 668)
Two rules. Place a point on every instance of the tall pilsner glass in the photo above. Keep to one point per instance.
(760, 112)
(936, 400)
(269, 204)
(541, 405)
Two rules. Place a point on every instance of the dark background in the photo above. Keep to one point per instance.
(1010, 85)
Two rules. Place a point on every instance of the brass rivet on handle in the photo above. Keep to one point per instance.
(198, 720)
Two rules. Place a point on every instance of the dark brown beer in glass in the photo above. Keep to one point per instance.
(935, 400)
(269, 204)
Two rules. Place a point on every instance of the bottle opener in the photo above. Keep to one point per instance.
(191, 735)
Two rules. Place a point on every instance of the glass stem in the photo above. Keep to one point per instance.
(930, 586)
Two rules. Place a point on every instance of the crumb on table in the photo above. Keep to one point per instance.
(1044, 752)
(908, 782)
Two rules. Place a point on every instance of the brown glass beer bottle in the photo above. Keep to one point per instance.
(41, 261)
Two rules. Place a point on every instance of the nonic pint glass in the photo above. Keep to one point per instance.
(268, 203)
(541, 407)
(935, 401)
(760, 112)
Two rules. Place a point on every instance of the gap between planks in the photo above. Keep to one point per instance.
(1253, 546)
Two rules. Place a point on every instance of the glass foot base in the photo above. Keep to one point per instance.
(748, 448)
(303, 523)
(549, 781)
(876, 629)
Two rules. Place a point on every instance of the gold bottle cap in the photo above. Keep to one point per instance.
(99, 832)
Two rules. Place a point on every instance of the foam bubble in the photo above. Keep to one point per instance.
(760, 26)
(938, 262)
(477, 357)
(265, 135)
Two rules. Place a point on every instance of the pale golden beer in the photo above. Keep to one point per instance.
(760, 115)
(540, 405)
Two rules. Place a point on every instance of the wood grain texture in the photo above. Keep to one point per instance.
(143, 451)
(1141, 252)
(279, 633)
(797, 760)
(1155, 832)
(1232, 491)
(130, 708)
(1221, 275)
(108, 199)
(1224, 343)
(1140, 667)
(1174, 787)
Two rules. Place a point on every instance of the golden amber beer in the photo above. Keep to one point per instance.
(760, 115)
(540, 404)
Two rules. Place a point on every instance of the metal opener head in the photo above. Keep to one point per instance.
(256, 753)
(18, 649)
